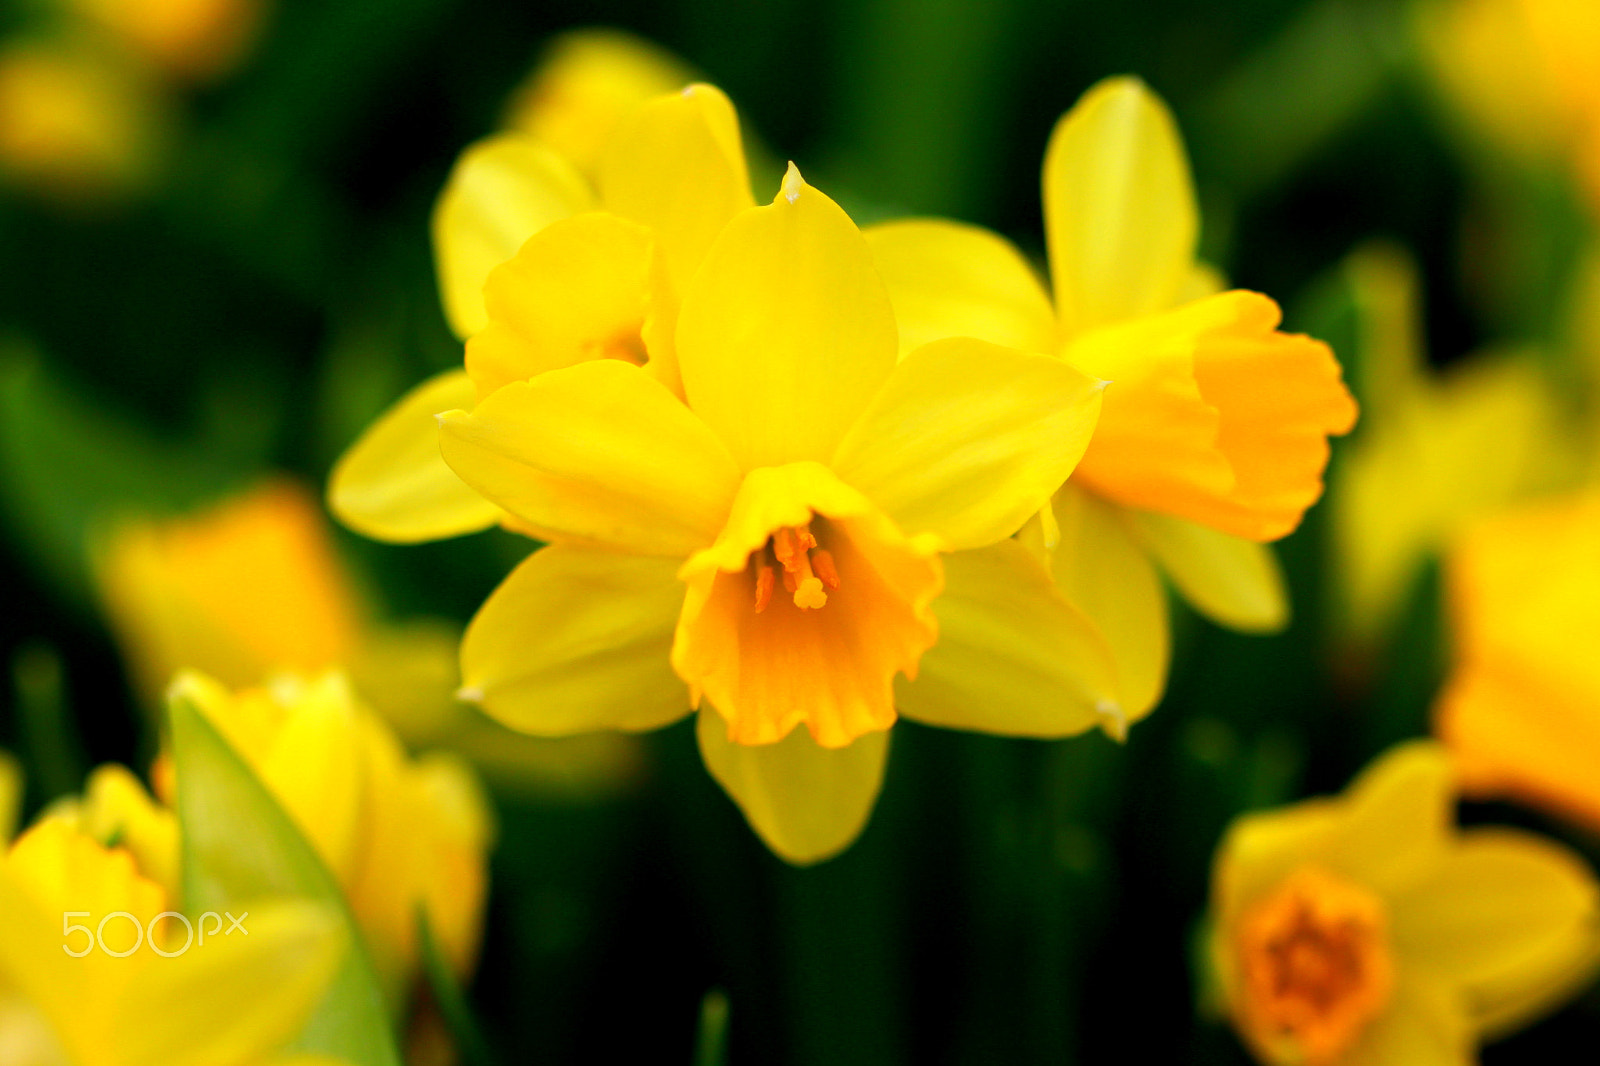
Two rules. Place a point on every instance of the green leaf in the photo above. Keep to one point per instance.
(451, 1001)
(239, 844)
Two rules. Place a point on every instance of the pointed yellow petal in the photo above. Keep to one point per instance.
(676, 165)
(1102, 571)
(117, 807)
(1013, 656)
(393, 485)
(807, 802)
(576, 640)
(1512, 917)
(582, 288)
(769, 663)
(786, 333)
(967, 439)
(502, 191)
(1213, 415)
(599, 453)
(235, 999)
(1232, 581)
(948, 279)
(309, 769)
(1263, 848)
(1397, 818)
(1119, 207)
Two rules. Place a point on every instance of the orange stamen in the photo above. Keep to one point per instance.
(764, 582)
(822, 560)
(793, 547)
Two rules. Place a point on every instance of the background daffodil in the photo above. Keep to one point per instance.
(1366, 929)
(1213, 435)
(1521, 709)
(770, 543)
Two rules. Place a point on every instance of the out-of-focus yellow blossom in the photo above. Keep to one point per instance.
(1434, 450)
(190, 39)
(233, 1001)
(1521, 709)
(116, 810)
(1214, 431)
(1527, 72)
(75, 123)
(1365, 929)
(253, 585)
(10, 795)
(396, 833)
(585, 85)
(761, 527)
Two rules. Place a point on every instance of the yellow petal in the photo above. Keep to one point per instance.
(1261, 849)
(1232, 581)
(582, 288)
(309, 769)
(807, 802)
(10, 795)
(598, 453)
(1103, 572)
(393, 485)
(1514, 919)
(586, 83)
(786, 332)
(116, 807)
(502, 191)
(1213, 415)
(967, 439)
(1425, 1024)
(676, 165)
(948, 279)
(237, 998)
(1119, 207)
(1013, 656)
(577, 640)
(1396, 818)
(770, 663)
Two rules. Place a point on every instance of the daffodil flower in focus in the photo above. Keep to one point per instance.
(1521, 708)
(1214, 432)
(1365, 929)
(236, 1001)
(767, 544)
(541, 270)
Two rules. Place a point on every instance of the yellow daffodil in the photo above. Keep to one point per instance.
(396, 833)
(191, 39)
(768, 541)
(568, 273)
(1214, 431)
(1521, 708)
(1525, 72)
(253, 585)
(76, 124)
(116, 810)
(10, 795)
(1434, 450)
(100, 996)
(585, 85)
(1365, 929)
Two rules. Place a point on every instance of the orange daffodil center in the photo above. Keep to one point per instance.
(802, 457)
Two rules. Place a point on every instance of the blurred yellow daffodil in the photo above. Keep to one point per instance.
(769, 539)
(1365, 929)
(396, 833)
(1521, 708)
(190, 39)
(102, 995)
(10, 795)
(1214, 431)
(253, 585)
(1434, 450)
(1525, 72)
(116, 810)
(76, 123)
(585, 84)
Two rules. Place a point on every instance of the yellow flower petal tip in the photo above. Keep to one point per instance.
(792, 185)
(1113, 721)
(470, 694)
(1367, 929)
